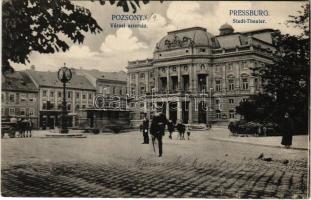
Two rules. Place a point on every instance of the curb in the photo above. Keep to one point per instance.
(265, 145)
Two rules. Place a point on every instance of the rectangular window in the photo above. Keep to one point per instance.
(12, 98)
(202, 50)
(231, 84)
(113, 90)
(12, 111)
(244, 65)
(68, 107)
(245, 84)
(22, 97)
(218, 114)
(218, 85)
(90, 96)
(77, 95)
(59, 106)
(69, 95)
(217, 101)
(59, 94)
(231, 114)
(31, 98)
(84, 96)
(44, 105)
(44, 93)
(142, 90)
(142, 75)
(51, 93)
(23, 111)
(2, 98)
(231, 101)
(31, 112)
(83, 106)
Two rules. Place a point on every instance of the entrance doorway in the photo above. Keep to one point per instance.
(202, 112)
(173, 111)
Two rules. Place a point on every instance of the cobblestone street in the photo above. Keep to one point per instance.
(118, 165)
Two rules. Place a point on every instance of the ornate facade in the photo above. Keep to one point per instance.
(197, 77)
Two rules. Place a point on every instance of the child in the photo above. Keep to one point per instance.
(188, 131)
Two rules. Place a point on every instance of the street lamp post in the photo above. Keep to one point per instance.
(64, 75)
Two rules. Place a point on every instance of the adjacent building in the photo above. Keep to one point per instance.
(19, 97)
(80, 95)
(197, 77)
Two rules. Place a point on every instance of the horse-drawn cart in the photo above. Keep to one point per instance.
(8, 128)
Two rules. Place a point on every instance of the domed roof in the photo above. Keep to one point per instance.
(198, 36)
(226, 26)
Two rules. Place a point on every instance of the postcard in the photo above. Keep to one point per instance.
(155, 99)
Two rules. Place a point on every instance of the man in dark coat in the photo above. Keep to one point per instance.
(170, 127)
(157, 129)
(145, 129)
(287, 131)
(181, 130)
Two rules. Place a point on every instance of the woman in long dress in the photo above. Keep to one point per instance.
(287, 131)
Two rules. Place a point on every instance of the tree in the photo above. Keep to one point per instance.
(40, 25)
(287, 79)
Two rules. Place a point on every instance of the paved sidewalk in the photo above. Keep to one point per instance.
(300, 142)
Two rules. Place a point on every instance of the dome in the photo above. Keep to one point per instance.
(226, 26)
(226, 29)
(184, 37)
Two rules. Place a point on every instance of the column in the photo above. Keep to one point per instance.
(251, 85)
(224, 78)
(147, 81)
(156, 79)
(179, 78)
(137, 84)
(195, 79)
(129, 83)
(179, 110)
(167, 110)
(145, 106)
(168, 78)
(190, 111)
(191, 81)
(207, 88)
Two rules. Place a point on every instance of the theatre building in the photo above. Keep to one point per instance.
(198, 77)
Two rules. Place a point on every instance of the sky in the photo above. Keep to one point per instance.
(111, 49)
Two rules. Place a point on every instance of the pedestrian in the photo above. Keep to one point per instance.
(24, 127)
(19, 127)
(264, 131)
(170, 127)
(259, 131)
(29, 127)
(157, 128)
(188, 130)
(287, 131)
(181, 130)
(145, 130)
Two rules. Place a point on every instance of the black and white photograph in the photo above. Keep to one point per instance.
(155, 99)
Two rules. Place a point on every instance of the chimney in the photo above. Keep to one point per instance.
(33, 68)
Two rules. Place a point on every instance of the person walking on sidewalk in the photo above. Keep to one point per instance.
(145, 129)
(181, 130)
(170, 127)
(157, 128)
(287, 131)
